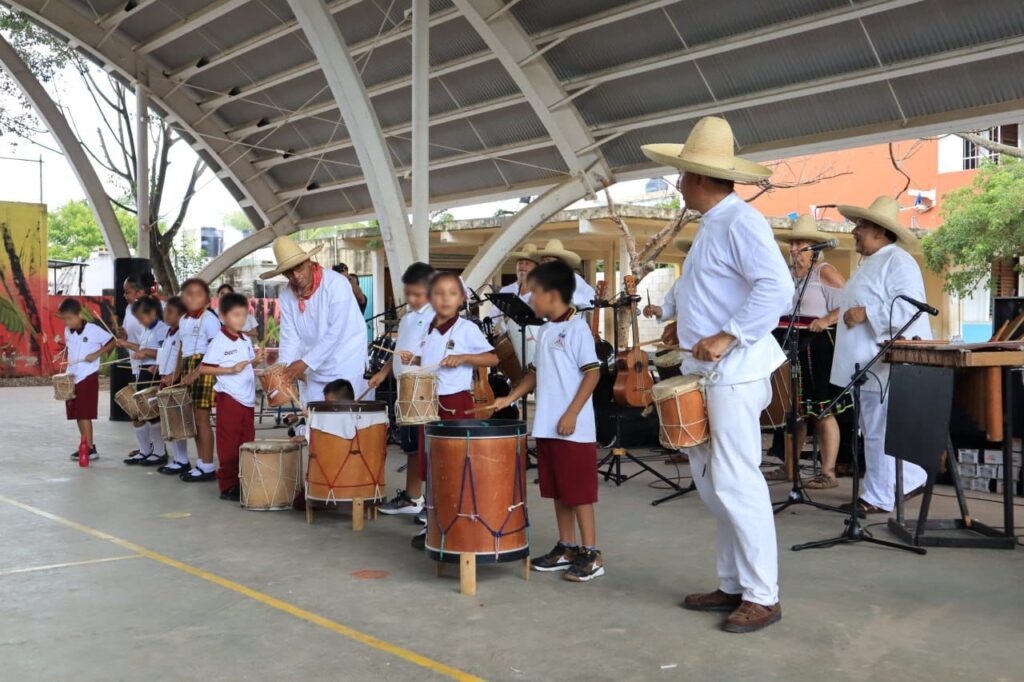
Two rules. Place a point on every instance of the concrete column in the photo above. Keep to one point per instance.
(142, 170)
(377, 262)
(421, 130)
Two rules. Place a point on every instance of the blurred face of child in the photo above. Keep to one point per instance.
(195, 297)
(172, 316)
(131, 294)
(447, 297)
(73, 320)
(235, 318)
(146, 318)
(415, 295)
(546, 303)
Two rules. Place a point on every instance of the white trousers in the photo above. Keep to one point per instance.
(880, 476)
(727, 472)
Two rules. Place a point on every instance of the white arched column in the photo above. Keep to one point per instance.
(69, 144)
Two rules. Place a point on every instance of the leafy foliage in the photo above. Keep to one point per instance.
(188, 258)
(11, 317)
(74, 233)
(982, 223)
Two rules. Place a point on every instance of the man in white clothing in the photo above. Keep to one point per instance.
(584, 295)
(870, 313)
(526, 260)
(733, 289)
(323, 334)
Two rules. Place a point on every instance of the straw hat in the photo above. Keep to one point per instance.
(803, 229)
(708, 151)
(288, 254)
(884, 212)
(554, 248)
(529, 252)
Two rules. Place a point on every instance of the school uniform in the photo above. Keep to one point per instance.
(583, 295)
(567, 465)
(80, 343)
(133, 334)
(457, 336)
(235, 400)
(167, 364)
(411, 329)
(150, 338)
(196, 331)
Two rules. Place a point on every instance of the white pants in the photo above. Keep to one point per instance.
(728, 476)
(880, 476)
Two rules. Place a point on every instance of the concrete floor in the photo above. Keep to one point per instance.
(850, 613)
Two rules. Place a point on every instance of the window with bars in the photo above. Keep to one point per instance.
(974, 155)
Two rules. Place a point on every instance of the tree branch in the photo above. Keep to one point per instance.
(992, 146)
(197, 171)
(899, 169)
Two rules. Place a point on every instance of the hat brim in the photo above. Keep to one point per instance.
(572, 259)
(903, 235)
(736, 169)
(524, 255)
(298, 259)
(813, 236)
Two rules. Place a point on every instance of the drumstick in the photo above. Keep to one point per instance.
(363, 394)
(386, 350)
(482, 408)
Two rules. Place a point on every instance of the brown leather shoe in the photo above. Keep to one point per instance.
(751, 617)
(678, 458)
(712, 601)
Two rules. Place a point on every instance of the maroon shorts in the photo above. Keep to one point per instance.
(87, 396)
(235, 428)
(567, 470)
(452, 406)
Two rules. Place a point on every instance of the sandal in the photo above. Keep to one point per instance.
(821, 482)
(778, 474)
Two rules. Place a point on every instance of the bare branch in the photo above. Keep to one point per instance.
(992, 146)
(897, 164)
(168, 237)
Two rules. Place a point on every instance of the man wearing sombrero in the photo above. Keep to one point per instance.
(526, 260)
(584, 294)
(870, 313)
(733, 289)
(323, 335)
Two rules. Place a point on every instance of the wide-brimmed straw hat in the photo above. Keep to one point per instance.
(555, 248)
(709, 150)
(288, 254)
(528, 252)
(804, 229)
(884, 212)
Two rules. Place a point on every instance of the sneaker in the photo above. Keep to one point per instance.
(421, 518)
(586, 566)
(232, 494)
(401, 503)
(92, 454)
(137, 458)
(558, 559)
(419, 541)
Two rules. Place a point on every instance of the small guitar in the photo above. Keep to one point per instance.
(634, 382)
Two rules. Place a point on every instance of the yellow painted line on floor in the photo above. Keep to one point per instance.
(273, 602)
(68, 564)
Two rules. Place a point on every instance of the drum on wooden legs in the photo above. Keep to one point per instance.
(774, 416)
(125, 398)
(279, 391)
(417, 397)
(146, 404)
(476, 490)
(347, 446)
(63, 386)
(177, 420)
(270, 473)
(682, 411)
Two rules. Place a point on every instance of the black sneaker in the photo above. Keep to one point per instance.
(174, 469)
(419, 541)
(137, 458)
(421, 518)
(154, 461)
(558, 559)
(232, 494)
(92, 454)
(401, 503)
(586, 566)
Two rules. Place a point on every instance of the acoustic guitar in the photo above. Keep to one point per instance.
(634, 382)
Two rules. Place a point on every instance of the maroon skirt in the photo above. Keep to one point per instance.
(451, 406)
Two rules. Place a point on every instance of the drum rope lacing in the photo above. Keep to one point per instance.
(331, 481)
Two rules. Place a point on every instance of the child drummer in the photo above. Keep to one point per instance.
(147, 311)
(565, 374)
(411, 328)
(229, 359)
(85, 343)
(453, 345)
(199, 326)
(167, 364)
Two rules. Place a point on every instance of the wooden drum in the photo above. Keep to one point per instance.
(682, 411)
(417, 397)
(476, 490)
(177, 421)
(146, 403)
(348, 443)
(278, 390)
(125, 398)
(63, 386)
(508, 361)
(270, 473)
(774, 416)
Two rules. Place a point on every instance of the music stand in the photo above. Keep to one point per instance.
(522, 314)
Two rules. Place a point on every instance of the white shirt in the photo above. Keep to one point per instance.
(329, 336)
(92, 338)
(250, 323)
(736, 281)
(462, 338)
(167, 354)
(512, 288)
(225, 351)
(668, 304)
(881, 277)
(133, 334)
(197, 332)
(564, 351)
(152, 338)
(584, 295)
(413, 326)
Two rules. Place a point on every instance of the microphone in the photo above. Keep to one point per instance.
(920, 305)
(823, 246)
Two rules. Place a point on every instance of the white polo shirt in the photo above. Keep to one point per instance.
(79, 344)
(411, 329)
(152, 338)
(167, 354)
(565, 350)
(460, 337)
(227, 350)
(133, 334)
(197, 332)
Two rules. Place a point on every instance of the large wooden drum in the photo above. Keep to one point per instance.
(125, 399)
(508, 361)
(279, 391)
(774, 416)
(476, 490)
(348, 444)
(270, 473)
(417, 397)
(63, 386)
(682, 411)
(177, 420)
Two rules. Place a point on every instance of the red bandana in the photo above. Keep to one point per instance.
(318, 276)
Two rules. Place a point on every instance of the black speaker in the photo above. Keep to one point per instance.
(120, 372)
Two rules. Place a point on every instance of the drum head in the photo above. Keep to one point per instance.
(271, 445)
(675, 386)
(476, 428)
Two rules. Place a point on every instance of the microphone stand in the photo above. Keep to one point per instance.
(790, 341)
(854, 532)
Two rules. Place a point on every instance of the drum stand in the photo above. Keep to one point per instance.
(798, 493)
(854, 532)
(362, 510)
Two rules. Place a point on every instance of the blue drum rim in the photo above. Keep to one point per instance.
(476, 428)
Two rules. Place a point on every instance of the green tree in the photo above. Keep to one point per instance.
(982, 223)
(188, 258)
(74, 234)
(236, 220)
